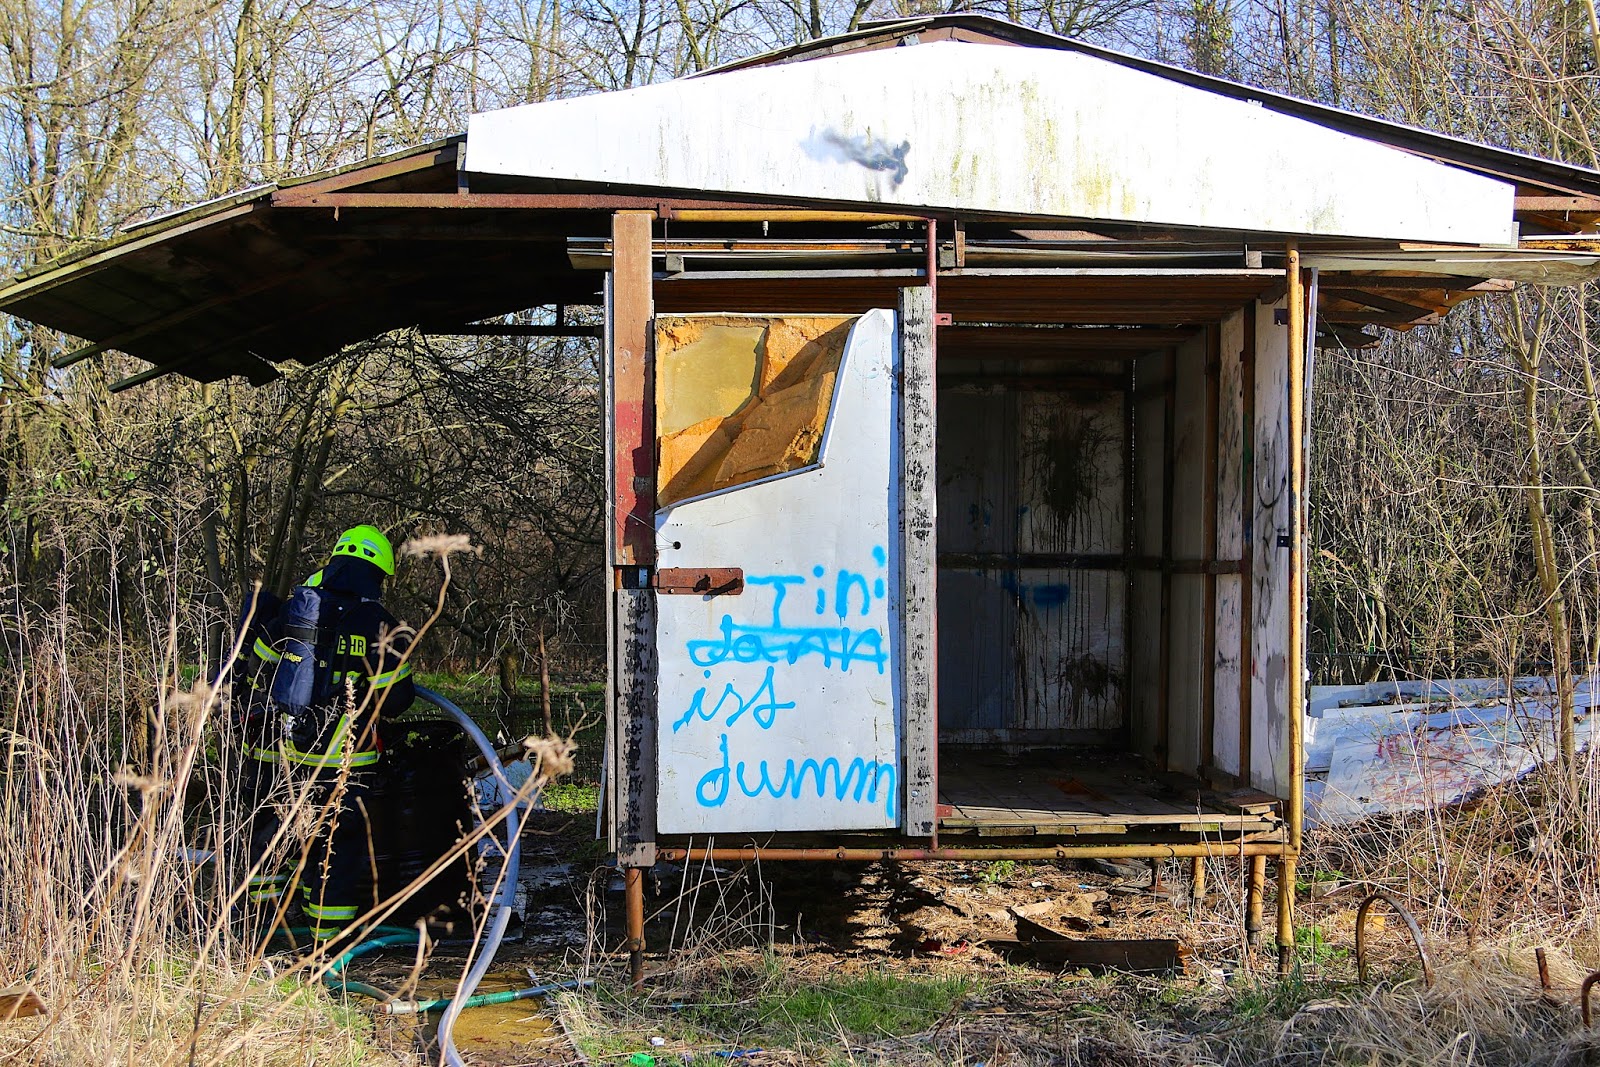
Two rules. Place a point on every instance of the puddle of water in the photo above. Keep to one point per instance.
(521, 1022)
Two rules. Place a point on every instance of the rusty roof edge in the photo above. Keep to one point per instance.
(1451, 150)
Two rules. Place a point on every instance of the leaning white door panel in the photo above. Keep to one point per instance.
(779, 705)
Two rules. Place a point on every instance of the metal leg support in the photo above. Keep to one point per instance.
(1255, 888)
(633, 886)
(1285, 914)
(1197, 878)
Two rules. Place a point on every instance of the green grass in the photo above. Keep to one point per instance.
(571, 798)
(771, 1007)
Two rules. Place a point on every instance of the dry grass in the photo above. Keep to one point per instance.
(116, 773)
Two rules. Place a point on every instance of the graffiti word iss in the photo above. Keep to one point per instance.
(863, 780)
(762, 705)
(788, 640)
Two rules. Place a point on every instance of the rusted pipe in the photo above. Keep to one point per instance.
(1255, 887)
(1286, 867)
(633, 886)
(1411, 925)
(895, 853)
(1197, 878)
(1583, 996)
(1544, 968)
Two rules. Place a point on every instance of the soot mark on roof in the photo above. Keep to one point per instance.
(834, 147)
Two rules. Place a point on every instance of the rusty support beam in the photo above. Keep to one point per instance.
(662, 206)
(893, 853)
(633, 904)
(1255, 888)
(1286, 866)
(633, 378)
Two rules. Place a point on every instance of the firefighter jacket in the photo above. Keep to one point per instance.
(355, 661)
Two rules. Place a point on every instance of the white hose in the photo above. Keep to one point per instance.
(496, 930)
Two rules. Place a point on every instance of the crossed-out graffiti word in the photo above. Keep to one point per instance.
(786, 639)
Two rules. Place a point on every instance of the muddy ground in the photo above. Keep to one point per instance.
(931, 919)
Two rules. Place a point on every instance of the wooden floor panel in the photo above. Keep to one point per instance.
(1087, 792)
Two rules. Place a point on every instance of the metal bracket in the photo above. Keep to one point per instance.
(701, 581)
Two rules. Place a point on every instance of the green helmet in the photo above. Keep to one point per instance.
(368, 543)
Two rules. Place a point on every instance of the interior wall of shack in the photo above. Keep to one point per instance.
(1269, 504)
(1233, 364)
(1031, 526)
(1187, 674)
(1152, 391)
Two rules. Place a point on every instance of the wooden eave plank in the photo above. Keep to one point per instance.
(81, 265)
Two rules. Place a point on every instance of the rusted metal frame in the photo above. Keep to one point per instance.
(683, 209)
(1247, 519)
(1365, 910)
(1298, 330)
(1255, 890)
(632, 537)
(633, 905)
(633, 373)
(1286, 868)
(1208, 517)
(895, 853)
(1169, 417)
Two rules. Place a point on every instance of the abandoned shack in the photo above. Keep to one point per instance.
(956, 408)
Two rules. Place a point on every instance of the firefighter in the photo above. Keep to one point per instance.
(337, 662)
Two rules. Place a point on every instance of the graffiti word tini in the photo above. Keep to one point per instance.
(785, 639)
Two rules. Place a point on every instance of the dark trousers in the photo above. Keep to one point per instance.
(337, 883)
(334, 858)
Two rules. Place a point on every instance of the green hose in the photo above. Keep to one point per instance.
(419, 1007)
(407, 938)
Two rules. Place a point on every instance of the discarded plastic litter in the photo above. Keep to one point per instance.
(658, 1041)
(641, 1059)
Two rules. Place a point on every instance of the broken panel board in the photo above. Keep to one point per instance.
(1030, 642)
(738, 400)
(1230, 542)
(779, 705)
(1269, 577)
